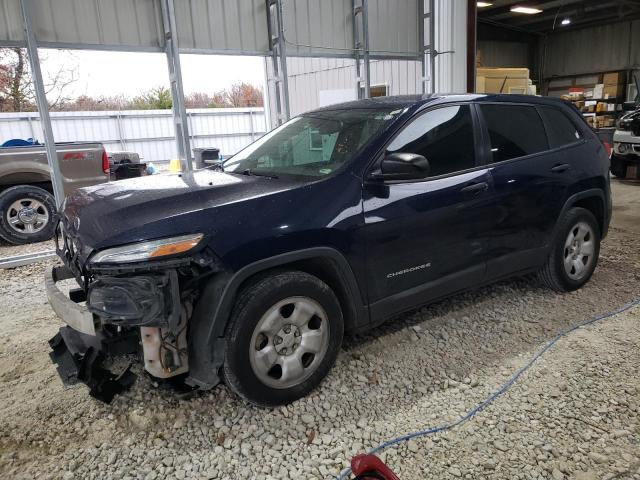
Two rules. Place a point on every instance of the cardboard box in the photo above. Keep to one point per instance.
(502, 80)
(503, 72)
(613, 78)
(598, 91)
(614, 91)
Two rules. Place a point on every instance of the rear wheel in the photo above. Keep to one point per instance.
(574, 253)
(283, 338)
(26, 214)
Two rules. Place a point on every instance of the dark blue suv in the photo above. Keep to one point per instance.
(252, 270)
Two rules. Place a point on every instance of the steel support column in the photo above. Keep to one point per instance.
(361, 46)
(41, 100)
(180, 120)
(278, 47)
(365, 45)
(429, 52)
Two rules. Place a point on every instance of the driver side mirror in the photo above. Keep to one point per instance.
(403, 166)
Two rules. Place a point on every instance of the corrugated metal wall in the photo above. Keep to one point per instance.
(394, 27)
(326, 24)
(222, 25)
(602, 48)
(504, 54)
(451, 35)
(213, 26)
(148, 132)
(309, 76)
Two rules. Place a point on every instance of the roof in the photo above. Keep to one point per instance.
(403, 101)
(582, 13)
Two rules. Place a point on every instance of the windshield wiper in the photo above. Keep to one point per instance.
(250, 173)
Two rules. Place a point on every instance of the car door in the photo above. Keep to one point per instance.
(426, 238)
(530, 180)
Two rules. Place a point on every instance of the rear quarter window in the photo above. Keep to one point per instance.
(560, 129)
(514, 131)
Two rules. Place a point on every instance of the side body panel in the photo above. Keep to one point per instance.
(425, 239)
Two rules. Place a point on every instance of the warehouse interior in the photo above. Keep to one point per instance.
(585, 51)
(507, 379)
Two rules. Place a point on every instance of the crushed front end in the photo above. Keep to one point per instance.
(128, 303)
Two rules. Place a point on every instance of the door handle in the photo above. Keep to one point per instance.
(562, 167)
(475, 187)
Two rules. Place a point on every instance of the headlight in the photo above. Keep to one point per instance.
(622, 147)
(147, 250)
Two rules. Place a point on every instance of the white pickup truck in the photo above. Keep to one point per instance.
(626, 146)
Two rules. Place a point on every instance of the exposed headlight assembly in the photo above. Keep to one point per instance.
(137, 252)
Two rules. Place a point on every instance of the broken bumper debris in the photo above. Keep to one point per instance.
(79, 350)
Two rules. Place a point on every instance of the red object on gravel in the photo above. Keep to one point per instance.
(370, 467)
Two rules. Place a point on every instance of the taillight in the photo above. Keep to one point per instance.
(607, 147)
(105, 162)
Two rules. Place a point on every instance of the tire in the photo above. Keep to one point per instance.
(27, 214)
(282, 339)
(618, 166)
(574, 252)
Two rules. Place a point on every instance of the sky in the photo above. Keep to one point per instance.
(101, 73)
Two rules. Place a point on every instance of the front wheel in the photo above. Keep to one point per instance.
(27, 214)
(283, 338)
(574, 253)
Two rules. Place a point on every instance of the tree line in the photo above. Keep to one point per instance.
(17, 93)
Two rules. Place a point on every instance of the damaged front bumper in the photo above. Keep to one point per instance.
(79, 350)
(146, 308)
(135, 310)
(80, 358)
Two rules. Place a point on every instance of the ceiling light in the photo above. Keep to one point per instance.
(566, 21)
(483, 4)
(527, 10)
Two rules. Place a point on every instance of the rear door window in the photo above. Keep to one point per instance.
(560, 129)
(514, 131)
(444, 136)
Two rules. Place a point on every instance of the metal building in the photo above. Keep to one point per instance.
(360, 31)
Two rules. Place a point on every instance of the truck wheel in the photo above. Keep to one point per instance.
(574, 253)
(283, 338)
(27, 214)
(618, 166)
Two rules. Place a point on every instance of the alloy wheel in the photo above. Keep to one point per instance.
(579, 248)
(289, 342)
(27, 215)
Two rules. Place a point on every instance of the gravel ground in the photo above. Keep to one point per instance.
(575, 414)
(9, 250)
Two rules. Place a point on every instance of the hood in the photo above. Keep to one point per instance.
(156, 206)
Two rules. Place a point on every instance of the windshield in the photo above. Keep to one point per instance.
(315, 144)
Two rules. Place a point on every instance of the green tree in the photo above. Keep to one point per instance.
(158, 98)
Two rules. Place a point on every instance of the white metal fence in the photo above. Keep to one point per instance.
(148, 132)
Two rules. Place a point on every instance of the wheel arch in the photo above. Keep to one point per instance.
(215, 305)
(593, 200)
